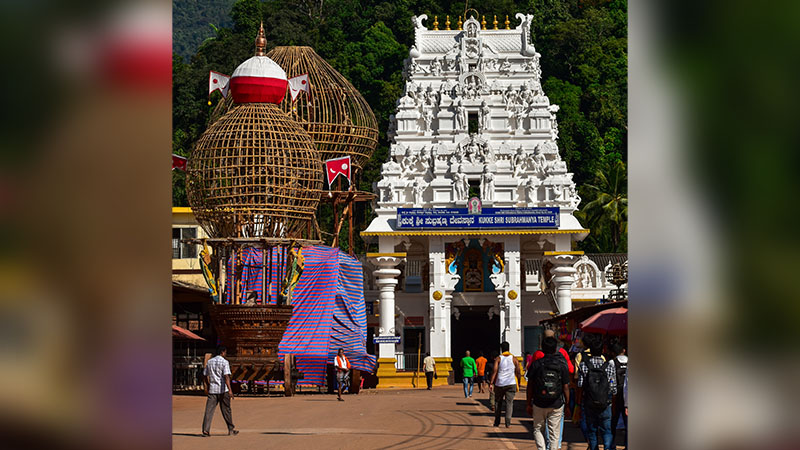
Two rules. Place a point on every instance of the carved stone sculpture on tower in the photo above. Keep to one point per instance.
(483, 116)
(487, 185)
(539, 162)
(472, 150)
(518, 161)
(505, 67)
(407, 164)
(460, 116)
(427, 117)
(436, 67)
(460, 185)
(419, 189)
(488, 153)
(531, 191)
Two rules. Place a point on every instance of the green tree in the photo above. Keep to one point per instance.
(607, 213)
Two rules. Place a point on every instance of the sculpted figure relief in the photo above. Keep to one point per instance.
(505, 67)
(460, 185)
(531, 191)
(487, 185)
(460, 116)
(427, 117)
(518, 161)
(407, 164)
(488, 154)
(436, 67)
(539, 162)
(418, 190)
(458, 155)
(483, 116)
(472, 151)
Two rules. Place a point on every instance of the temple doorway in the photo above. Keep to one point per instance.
(473, 331)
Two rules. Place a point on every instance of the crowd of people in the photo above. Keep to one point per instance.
(589, 386)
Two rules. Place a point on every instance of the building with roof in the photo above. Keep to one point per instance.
(475, 223)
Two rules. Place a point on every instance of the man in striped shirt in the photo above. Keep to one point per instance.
(218, 387)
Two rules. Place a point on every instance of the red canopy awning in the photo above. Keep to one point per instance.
(179, 332)
(610, 321)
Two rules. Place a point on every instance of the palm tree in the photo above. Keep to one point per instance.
(607, 213)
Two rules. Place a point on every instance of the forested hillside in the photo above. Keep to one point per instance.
(584, 62)
(193, 21)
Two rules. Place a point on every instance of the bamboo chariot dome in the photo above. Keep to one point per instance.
(255, 172)
(337, 117)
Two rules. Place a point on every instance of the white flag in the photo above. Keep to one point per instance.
(299, 83)
(218, 82)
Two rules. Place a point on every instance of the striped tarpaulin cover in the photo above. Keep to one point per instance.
(329, 313)
(329, 310)
(350, 320)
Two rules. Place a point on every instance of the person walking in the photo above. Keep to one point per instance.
(597, 385)
(429, 366)
(547, 394)
(481, 363)
(469, 370)
(618, 404)
(217, 381)
(342, 365)
(540, 354)
(504, 382)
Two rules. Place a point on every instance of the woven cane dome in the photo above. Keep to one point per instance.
(339, 120)
(254, 173)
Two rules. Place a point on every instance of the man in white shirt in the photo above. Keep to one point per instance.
(218, 387)
(429, 365)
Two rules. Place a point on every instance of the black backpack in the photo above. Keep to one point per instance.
(622, 367)
(596, 388)
(547, 382)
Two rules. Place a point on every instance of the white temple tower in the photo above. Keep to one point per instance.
(473, 119)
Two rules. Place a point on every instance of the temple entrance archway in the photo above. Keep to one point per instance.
(473, 331)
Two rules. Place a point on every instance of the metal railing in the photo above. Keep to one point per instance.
(187, 373)
(407, 362)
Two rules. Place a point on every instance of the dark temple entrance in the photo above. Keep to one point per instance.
(473, 331)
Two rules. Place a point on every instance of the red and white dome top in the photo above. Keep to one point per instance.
(259, 79)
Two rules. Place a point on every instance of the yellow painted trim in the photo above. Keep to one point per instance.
(469, 232)
(181, 210)
(551, 253)
(378, 255)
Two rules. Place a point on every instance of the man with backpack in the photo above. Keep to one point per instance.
(618, 405)
(540, 354)
(596, 387)
(547, 393)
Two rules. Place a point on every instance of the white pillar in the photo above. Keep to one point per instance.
(507, 285)
(386, 280)
(512, 294)
(564, 277)
(440, 297)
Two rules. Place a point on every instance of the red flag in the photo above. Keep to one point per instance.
(336, 167)
(178, 162)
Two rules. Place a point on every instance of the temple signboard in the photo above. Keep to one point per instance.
(426, 218)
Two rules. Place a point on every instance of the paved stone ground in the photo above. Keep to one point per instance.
(387, 419)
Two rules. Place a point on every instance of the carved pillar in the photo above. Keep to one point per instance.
(563, 278)
(386, 281)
